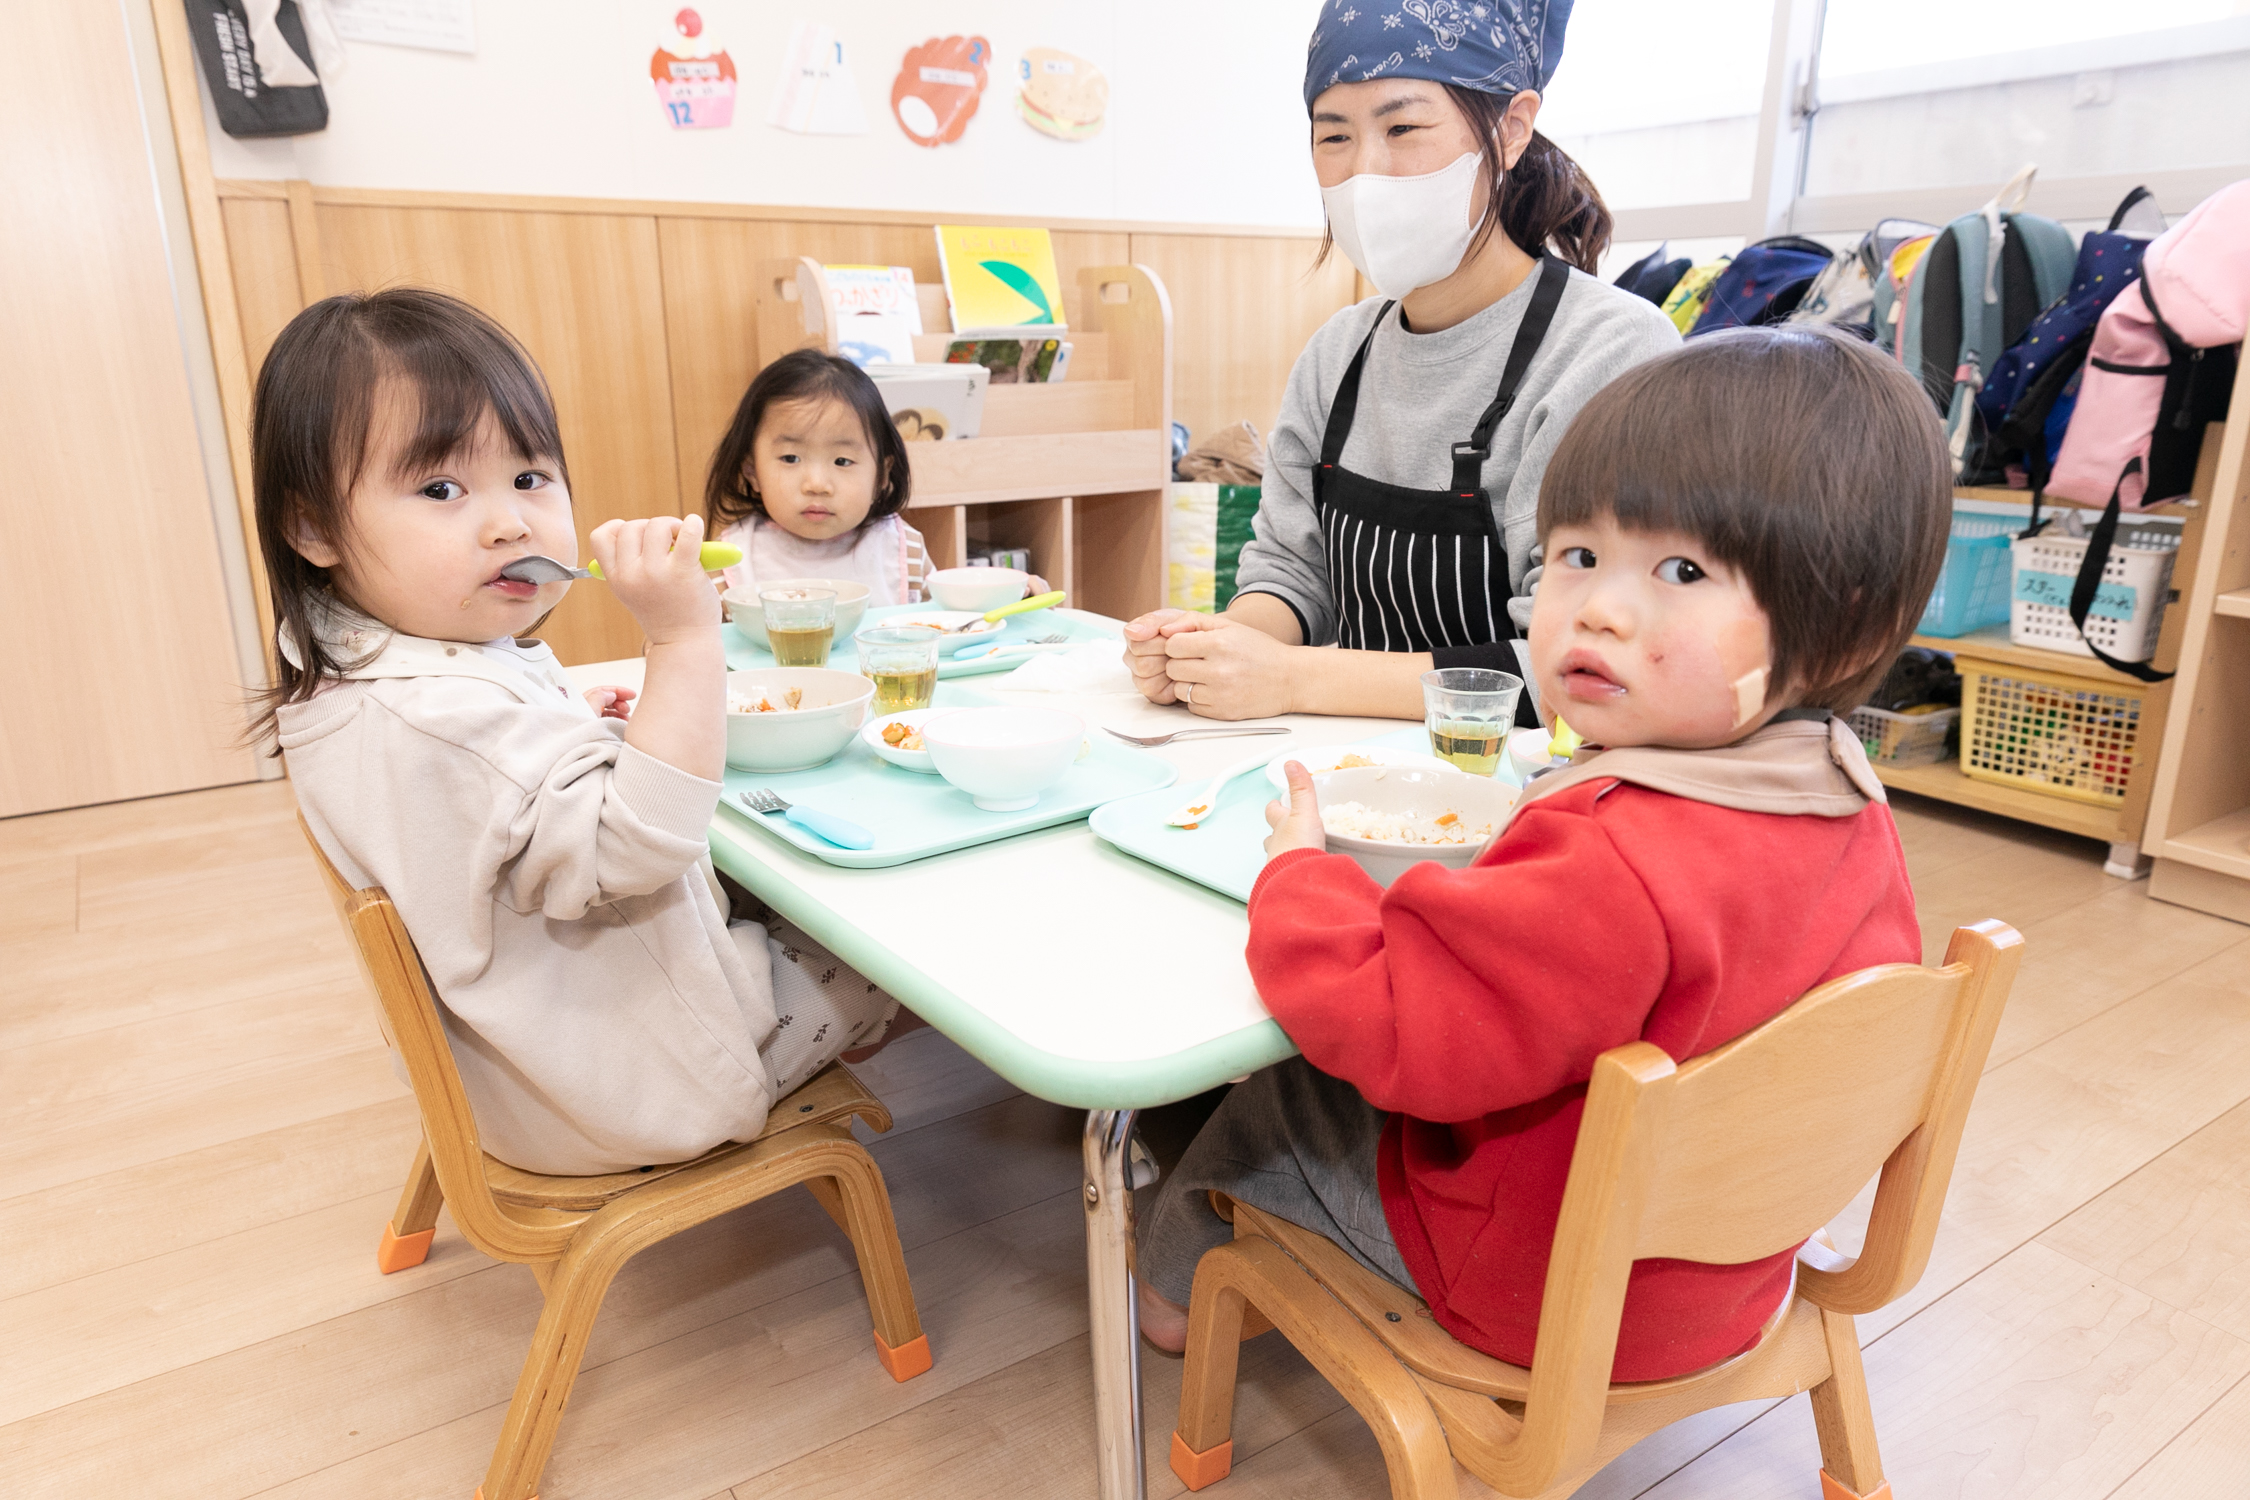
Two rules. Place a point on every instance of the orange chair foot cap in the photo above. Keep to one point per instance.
(907, 1360)
(400, 1252)
(1833, 1489)
(1199, 1469)
(480, 1493)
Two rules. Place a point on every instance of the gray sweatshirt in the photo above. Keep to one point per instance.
(601, 1017)
(1419, 395)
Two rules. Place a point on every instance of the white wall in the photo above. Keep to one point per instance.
(1206, 124)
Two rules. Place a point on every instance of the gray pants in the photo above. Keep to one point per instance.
(1292, 1141)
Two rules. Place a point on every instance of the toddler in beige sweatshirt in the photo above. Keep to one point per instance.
(546, 848)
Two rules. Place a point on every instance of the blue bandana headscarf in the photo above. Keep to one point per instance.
(1492, 46)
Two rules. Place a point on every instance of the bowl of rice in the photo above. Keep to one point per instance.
(792, 718)
(1389, 818)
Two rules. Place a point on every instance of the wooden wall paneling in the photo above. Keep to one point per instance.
(584, 293)
(1242, 310)
(710, 333)
(116, 641)
(304, 239)
(262, 252)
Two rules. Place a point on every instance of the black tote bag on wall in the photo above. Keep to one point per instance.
(247, 105)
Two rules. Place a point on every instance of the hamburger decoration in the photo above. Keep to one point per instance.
(938, 85)
(1061, 95)
(694, 77)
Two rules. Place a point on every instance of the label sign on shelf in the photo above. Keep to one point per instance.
(2112, 601)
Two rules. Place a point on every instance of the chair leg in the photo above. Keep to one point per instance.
(1353, 1360)
(575, 1286)
(406, 1238)
(864, 1209)
(1851, 1468)
(1203, 1442)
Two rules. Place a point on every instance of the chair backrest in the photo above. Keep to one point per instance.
(1750, 1149)
(413, 1027)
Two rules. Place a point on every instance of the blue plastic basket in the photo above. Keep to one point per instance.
(1975, 588)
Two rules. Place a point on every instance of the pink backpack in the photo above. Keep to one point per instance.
(2161, 368)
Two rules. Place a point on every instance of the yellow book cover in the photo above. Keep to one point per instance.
(999, 277)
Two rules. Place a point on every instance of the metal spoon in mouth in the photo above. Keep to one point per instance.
(538, 569)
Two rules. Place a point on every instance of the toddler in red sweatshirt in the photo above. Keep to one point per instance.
(1738, 537)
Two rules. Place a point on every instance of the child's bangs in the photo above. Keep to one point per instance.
(455, 383)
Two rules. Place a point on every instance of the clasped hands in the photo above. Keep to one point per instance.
(1219, 667)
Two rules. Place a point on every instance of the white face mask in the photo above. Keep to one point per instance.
(1405, 232)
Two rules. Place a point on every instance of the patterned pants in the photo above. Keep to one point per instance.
(824, 1005)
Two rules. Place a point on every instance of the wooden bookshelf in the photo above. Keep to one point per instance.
(2121, 826)
(2199, 814)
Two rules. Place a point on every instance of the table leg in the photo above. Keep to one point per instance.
(1114, 1311)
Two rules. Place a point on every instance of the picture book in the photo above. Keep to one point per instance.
(999, 277)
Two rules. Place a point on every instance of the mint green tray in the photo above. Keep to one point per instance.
(1228, 850)
(914, 816)
(744, 654)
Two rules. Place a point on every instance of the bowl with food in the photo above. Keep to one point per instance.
(792, 718)
(1347, 757)
(977, 589)
(1003, 757)
(1389, 818)
(897, 738)
(749, 616)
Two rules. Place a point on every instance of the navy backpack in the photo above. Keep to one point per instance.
(1764, 283)
(2026, 401)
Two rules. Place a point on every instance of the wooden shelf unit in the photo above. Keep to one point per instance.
(1073, 471)
(2123, 825)
(2199, 815)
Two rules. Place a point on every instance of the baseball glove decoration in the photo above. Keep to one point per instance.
(938, 86)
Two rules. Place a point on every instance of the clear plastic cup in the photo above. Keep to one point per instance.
(800, 625)
(1469, 712)
(903, 661)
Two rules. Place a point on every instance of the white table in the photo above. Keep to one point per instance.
(1080, 974)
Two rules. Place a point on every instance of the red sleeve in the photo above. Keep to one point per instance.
(1457, 993)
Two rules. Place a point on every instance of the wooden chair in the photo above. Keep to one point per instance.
(1736, 1155)
(577, 1232)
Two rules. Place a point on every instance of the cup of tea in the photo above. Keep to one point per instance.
(800, 625)
(1469, 711)
(902, 660)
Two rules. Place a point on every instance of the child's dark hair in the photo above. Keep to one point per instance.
(311, 420)
(730, 494)
(1804, 459)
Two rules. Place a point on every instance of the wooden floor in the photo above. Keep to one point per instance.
(200, 1138)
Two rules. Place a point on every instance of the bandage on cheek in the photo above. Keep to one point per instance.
(1745, 653)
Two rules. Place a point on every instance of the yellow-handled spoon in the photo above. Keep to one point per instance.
(538, 569)
(1021, 606)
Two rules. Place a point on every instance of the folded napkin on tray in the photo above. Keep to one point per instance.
(1096, 667)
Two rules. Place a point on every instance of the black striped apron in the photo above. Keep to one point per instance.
(1415, 570)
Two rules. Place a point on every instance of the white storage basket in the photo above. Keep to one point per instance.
(2128, 611)
(1893, 739)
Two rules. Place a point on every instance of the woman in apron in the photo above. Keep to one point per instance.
(1402, 484)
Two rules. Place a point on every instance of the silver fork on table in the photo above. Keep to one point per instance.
(1151, 741)
(842, 832)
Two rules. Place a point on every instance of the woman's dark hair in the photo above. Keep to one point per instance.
(312, 416)
(1545, 199)
(1804, 459)
(730, 494)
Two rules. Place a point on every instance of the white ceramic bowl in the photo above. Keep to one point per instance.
(871, 735)
(833, 707)
(1003, 757)
(749, 615)
(977, 589)
(1407, 789)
